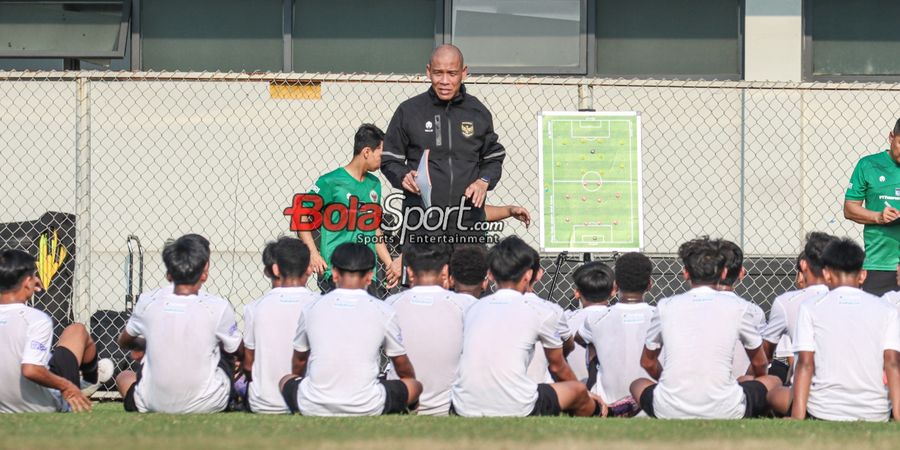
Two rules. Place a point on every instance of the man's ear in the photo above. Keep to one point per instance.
(205, 275)
(537, 277)
(276, 270)
(445, 275)
(490, 276)
(861, 276)
(686, 275)
(309, 270)
(527, 276)
(742, 274)
(410, 275)
(484, 285)
(804, 265)
(615, 290)
(576, 293)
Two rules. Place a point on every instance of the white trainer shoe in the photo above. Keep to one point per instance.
(105, 369)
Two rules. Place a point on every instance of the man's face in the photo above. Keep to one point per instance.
(373, 162)
(447, 73)
(894, 140)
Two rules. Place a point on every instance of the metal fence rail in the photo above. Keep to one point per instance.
(100, 156)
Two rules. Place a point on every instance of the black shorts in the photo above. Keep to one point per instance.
(547, 403)
(880, 281)
(754, 398)
(396, 395)
(63, 363)
(128, 401)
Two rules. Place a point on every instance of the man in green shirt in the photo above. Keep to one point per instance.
(876, 183)
(339, 186)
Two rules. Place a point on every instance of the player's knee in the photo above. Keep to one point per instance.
(415, 389)
(124, 381)
(771, 382)
(77, 330)
(638, 386)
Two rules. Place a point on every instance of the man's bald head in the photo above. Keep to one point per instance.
(447, 71)
(446, 50)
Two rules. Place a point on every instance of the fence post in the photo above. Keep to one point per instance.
(82, 285)
(585, 98)
(743, 164)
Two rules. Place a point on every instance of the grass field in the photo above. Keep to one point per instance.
(590, 176)
(109, 428)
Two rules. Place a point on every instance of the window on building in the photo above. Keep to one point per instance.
(222, 35)
(38, 35)
(521, 36)
(386, 36)
(852, 38)
(669, 38)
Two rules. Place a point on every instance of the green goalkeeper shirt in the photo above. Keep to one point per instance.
(876, 180)
(338, 186)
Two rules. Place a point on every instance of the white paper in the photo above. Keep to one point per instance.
(423, 179)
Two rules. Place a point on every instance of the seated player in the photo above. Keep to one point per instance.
(591, 293)
(431, 318)
(698, 329)
(270, 323)
(537, 368)
(734, 272)
(498, 339)
(186, 334)
(468, 270)
(36, 379)
(786, 308)
(337, 348)
(848, 348)
(617, 333)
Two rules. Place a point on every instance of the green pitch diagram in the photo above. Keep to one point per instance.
(590, 181)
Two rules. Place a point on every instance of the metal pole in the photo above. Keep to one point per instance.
(585, 98)
(82, 284)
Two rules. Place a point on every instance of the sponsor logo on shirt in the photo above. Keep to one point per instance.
(429, 127)
(2, 321)
(848, 301)
(888, 197)
(422, 301)
(345, 303)
(632, 318)
(39, 346)
(175, 308)
(897, 192)
(373, 196)
(232, 330)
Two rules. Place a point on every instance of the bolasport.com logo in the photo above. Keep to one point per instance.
(432, 225)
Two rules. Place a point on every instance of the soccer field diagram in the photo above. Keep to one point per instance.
(590, 181)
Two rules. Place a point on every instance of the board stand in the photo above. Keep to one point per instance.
(564, 256)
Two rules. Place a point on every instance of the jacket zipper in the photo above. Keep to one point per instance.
(450, 147)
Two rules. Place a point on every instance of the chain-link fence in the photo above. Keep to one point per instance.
(101, 156)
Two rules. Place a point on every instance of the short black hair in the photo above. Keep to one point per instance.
(816, 242)
(353, 257)
(367, 135)
(633, 272)
(843, 255)
(535, 265)
(594, 280)
(468, 264)
(734, 261)
(702, 260)
(15, 266)
(268, 259)
(292, 257)
(424, 258)
(896, 128)
(509, 259)
(185, 258)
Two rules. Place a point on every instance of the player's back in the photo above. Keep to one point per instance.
(578, 357)
(432, 322)
(180, 371)
(618, 334)
(18, 346)
(848, 330)
(344, 332)
(698, 331)
(537, 368)
(741, 362)
(269, 327)
(785, 310)
(498, 341)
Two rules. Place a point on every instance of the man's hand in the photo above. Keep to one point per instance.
(317, 264)
(889, 214)
(76, 400)
(476, 192)
(392, 273)
(521, 214)
(409, 183)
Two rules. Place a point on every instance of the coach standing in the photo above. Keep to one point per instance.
(465, 158)
(876, 181)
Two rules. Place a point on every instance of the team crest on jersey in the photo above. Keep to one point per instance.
(881, 178)
(429, 127)
(373, 196)
(468, 129)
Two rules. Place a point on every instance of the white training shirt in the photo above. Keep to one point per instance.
(741, 363)
(26, 336)
(578, 358)
(848, 330)
(618, 334)
(784, 313)
(498, 342)
(180, 371)
(270, 324)
(344, 332)
(537, 368)
(697, 330)
(892, 297)
(431, 318)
